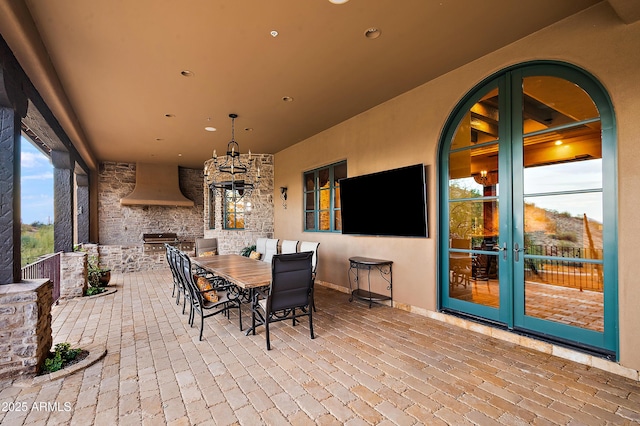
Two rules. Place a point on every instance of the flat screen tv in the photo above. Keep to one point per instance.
(389, 203)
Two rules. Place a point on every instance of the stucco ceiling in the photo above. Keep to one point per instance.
(119, 63)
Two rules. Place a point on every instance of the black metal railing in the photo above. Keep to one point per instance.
(569, 269)
(47, 266)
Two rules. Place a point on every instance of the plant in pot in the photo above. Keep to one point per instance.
(247, 250)
(97, 276)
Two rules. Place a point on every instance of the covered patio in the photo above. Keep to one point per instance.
(365, 366)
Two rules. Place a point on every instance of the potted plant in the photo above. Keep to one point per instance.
(97, 276)
(247, 250)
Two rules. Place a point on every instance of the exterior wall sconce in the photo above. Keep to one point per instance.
(283, 196)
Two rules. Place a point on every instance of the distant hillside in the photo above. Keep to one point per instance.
(551, 228)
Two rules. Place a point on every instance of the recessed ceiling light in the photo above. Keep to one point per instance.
(179, 155)
(338, 1)
(248, 129)
(558, 142)
(186, 73)
(287, 99)
(159, 139)
(372, 33)
(210, 129)
(169, 115)
(274, 33)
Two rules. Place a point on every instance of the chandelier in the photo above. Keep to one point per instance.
(231, 173)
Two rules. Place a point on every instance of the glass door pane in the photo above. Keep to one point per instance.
(562, 205)
(473, 206)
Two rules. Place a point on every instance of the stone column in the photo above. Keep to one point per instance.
(82, 201)
(25, 326)
(63, 201)
(13, 106)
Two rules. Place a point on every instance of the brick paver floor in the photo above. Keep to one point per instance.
(366, 366)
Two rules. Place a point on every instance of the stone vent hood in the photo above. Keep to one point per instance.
(156, 185)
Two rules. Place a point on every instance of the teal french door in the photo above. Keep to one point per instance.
(527, 166)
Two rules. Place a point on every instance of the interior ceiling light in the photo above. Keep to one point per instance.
(186, 73)
(274, 33)
(287, 99)
(372, 33)
(338, 1)
(169, 115)
(210, 128)
(558, 142)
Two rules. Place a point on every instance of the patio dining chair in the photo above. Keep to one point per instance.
(290, 294)
(261, 246)
(169, 252)
(174, 259)
(206, 247)
(271, 248)
(312, 247)
(208, 301)
(289, 246)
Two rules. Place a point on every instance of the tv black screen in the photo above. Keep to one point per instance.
(391, 203)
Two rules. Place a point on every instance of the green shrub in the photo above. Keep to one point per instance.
(92, 291)
(247, 250)
(62, 354)
(36, 240)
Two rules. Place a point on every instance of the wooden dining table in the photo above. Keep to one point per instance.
(246, 273)
(242, 271)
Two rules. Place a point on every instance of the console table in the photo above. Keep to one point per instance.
(356, 264)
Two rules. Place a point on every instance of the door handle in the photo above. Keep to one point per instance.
(503, 249)
(516, 251)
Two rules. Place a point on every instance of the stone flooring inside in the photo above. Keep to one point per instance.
(366, 366)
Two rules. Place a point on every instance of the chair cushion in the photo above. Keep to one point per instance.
(255, 255)
(205, 286)
(209, 253)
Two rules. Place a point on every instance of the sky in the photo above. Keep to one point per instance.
(37, 185)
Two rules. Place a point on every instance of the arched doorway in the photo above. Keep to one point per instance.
(528, 206)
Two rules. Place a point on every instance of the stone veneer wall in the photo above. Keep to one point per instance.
(25, 326)
(122, 227)
(258, 223)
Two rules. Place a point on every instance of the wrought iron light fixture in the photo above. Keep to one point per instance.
(486, 178)
(231, 174)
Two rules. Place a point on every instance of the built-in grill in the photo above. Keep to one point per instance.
(154, 243)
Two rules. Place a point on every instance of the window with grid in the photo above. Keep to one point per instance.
(322, 198)
(233, 210)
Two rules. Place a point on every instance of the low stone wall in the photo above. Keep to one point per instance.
(130, 258)
(73, 275)
(25, 326)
